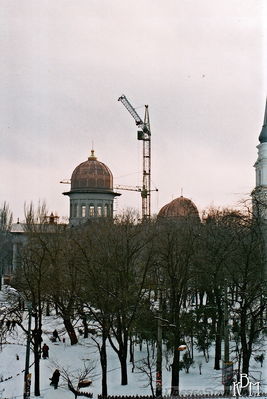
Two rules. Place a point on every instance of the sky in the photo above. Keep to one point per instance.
(200, 65)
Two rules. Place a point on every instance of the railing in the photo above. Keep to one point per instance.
(193, 396)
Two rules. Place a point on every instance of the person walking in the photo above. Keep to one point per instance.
(56, 336)
(55, 378)
(45, 350)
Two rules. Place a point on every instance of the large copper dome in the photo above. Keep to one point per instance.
(179, 207)
(92, 175)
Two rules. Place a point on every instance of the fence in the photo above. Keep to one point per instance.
(194, 396)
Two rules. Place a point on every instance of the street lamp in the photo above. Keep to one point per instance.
(160, 320)
(159, 348)
(228, 365)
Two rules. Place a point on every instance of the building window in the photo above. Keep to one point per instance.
(83, 211)
(106, 210)
(91, 210)
(75, 210)
(99, 210)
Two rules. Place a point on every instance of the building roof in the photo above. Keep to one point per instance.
(18, 227)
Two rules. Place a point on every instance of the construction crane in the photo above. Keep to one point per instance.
(128, 188)
(144, 134)
(131, 188)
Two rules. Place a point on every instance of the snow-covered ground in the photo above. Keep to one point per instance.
(63, 355)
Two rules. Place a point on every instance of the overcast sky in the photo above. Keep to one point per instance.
(200, 65)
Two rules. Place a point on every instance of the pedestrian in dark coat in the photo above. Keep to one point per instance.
(55, 335)
(55, 378)
(13, 324)
(45, 350)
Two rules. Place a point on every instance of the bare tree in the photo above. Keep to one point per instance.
(247, 294)
(176, 256)
(5, 240)
(132, 257)
(31, 277)
(216, 246)
(78, 378)
(147, 367)
(65, 280)
(117, 256)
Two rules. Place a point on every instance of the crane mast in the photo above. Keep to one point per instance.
(143, 134)
(146, 193)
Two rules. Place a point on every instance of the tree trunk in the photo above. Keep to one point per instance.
(132, 353)
(218, 351)
(153, 349)
(244, 343)
(103, 361)
(37, 340)
(175, 372)
(122, 351)
(244, 346)
(85, 325)
(36, 334)
(47, 311)
(36, 371)
(71, 332)
(192, 346)
(218, 343)
(123, 362)
(245, 362)
(219, 331)
(201, 296)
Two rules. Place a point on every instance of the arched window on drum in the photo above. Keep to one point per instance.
(106, 213)
(83, 211)
(99, 210)
(91, 210)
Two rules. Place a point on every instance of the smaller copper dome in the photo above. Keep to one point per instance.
(92, 175)
(179, 207)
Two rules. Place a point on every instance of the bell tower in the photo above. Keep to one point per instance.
(259, 194)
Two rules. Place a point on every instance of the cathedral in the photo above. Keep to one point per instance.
(92, 194)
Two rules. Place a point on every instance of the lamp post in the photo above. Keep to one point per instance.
(228, 366)
(27, 375)
(159, 348)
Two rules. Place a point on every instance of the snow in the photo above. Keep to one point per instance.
(63, 355)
